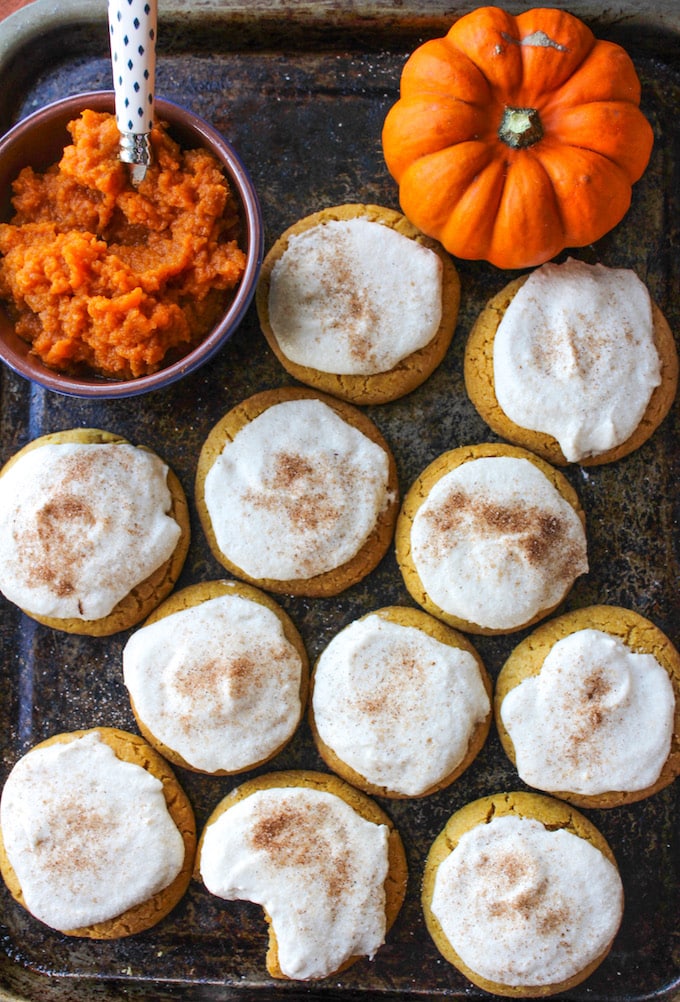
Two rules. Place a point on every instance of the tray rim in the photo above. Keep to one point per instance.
(25, 26)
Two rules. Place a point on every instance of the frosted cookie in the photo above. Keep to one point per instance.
(82, 548)
(355, 301)
(400, 703)
(612, 681)
(297, 492)
(490, 538)
(574, 362)
(98, 837)
(522, 894)
(217, 677)
(323, 860)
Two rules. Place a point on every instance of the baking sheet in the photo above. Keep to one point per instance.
(302, 90)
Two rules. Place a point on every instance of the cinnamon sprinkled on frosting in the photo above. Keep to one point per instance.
(316, 866)
(574, 356)
(615, 709)
(397, 705)
(354, 297)
(494, 543)
(76, 533)
(218, 682)
(88, 835)
(524, 905)
(297, 492)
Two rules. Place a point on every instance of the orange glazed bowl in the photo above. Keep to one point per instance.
(38, 141)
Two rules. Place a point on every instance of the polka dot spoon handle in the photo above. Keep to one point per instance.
(132, 28)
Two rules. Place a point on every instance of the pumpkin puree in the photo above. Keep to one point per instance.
(104, 277)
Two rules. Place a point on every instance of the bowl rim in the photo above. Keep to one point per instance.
(244, 189)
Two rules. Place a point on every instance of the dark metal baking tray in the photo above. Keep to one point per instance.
(301, 89)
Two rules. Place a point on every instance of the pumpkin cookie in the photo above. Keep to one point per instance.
(573, 362)
(324, 860)
(82, 548)
(98, 837)
(400, 703)
(522, 894)
(356, 302)
(297, 492)
(490, 538)
(217, 677)
(612, 680)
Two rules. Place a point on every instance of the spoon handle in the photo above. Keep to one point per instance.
(132, 28)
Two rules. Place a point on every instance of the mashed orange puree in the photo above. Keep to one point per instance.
(104, 276)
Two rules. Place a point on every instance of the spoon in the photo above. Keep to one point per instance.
(132, 28)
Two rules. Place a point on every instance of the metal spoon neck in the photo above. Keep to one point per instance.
(135, 148)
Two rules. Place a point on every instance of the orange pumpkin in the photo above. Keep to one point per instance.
(515, 137)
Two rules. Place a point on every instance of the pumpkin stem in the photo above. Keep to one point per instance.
(520, 127)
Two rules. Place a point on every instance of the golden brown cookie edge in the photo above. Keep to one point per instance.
(541, 807)
(129, 748)
(194, 595)
(397, 877)
(638, 633)
(338, 579)
(478, 373)
(141, 599)
(412, 371)
(422, 620)
(417, 494)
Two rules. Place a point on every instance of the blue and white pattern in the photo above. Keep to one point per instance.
(133, 25)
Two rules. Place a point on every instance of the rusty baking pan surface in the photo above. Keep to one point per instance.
(301, 90)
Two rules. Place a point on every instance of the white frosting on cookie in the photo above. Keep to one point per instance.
(494, 543)
(525, 906)
(315, 865)
(574, 356)
(81, 525)
(297, 492)
(88, 835)
(354, 297)
(218, 682)
(397, 705)
(597, 718)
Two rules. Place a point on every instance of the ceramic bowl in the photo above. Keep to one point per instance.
(38, 140)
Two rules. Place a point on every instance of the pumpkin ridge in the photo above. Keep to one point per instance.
(599, 190)
(502, 249)
(479, 37)
(547, 68)
(444, 128)
(440, 67)
(606, 133)
(606, 74)
(471, 223)
(436, 171)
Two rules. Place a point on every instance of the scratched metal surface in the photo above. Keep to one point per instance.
(303, 100)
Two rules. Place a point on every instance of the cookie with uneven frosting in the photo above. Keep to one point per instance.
(83, 549)
(574, 362)
(218, 677)
(401, 703)
(297, 492)
(612, 680)
(97, 837)
(356, 302)
(522, 894)
(323, 859)
(490, 538)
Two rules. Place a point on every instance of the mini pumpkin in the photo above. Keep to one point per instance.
(515, 137)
